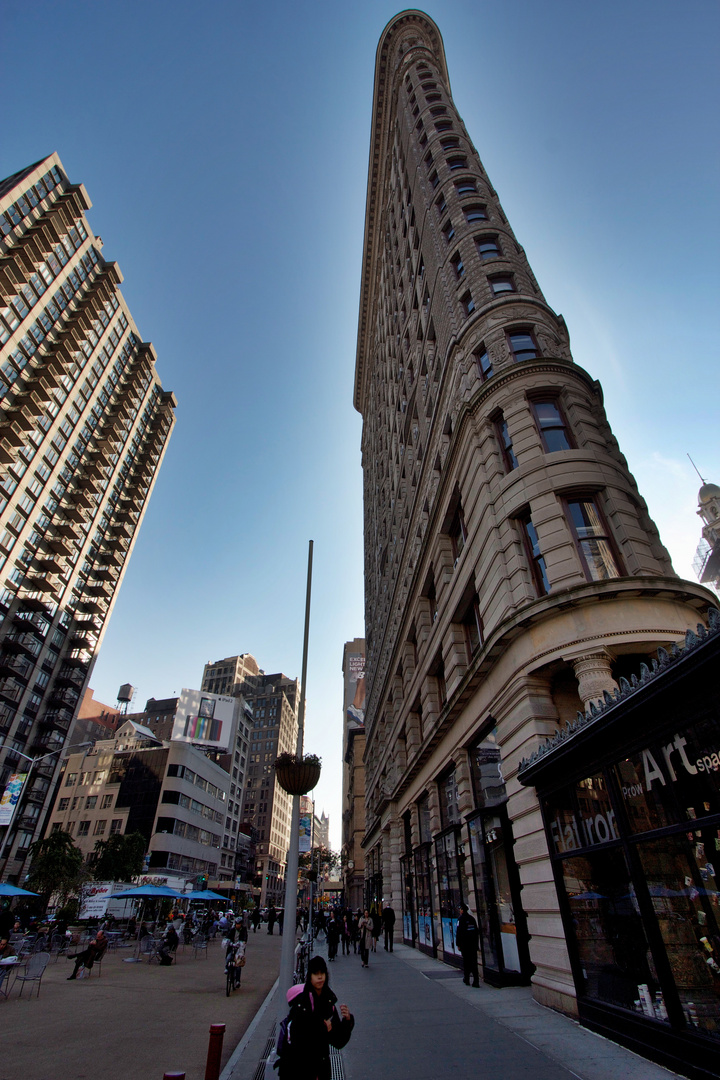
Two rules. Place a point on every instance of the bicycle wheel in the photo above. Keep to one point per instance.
(230, 984)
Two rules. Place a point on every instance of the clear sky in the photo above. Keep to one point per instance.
(225, 148)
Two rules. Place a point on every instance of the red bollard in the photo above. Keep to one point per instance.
(212, 1068)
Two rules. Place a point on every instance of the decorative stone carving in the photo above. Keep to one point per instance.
(594, 675)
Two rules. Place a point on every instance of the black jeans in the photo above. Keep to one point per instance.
(389, 933)
(470, 967)
(364, 954)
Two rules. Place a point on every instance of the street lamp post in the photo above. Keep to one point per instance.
(33, 762)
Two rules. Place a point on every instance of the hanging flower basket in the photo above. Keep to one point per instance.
(297, 775)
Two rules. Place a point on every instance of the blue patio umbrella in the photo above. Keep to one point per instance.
(203, 894)
(147, 892)
(14, 890)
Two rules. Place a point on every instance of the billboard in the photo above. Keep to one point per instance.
(355, 689)
(10, 797)
(204, 719)
(94, 899)
(305, 837)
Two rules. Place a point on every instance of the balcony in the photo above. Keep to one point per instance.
(16, 666)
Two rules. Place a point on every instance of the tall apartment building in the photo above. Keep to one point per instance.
(353, 782)
(512, 573)
(84, 424)
(273, 701)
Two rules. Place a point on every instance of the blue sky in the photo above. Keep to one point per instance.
(225, 149)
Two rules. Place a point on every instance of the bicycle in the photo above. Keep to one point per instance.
(301, 955)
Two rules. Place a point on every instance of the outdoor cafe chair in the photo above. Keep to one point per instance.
(34, 971)
(200, 945)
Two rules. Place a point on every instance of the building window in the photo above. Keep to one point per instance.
(476, 212)
(459, 161)
(107, 800)
(592, 538)
(523, 346)
(116, 825)
(434, 180)
(535, 556)
(441, 204)
(457, 265)
(452, 143)
(502, 283)
(438, 110)
(484, 363)
(91, 802)
(63, 804)
(70, 779)
(99, 827)
(466, 186)
(551, 425)
(473, 627)
(444, 125)
(506, 446)
(457, 533)
(83, 828)
(488, 247)
(468, 303)
(448, 230)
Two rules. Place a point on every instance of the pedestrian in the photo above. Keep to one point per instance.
(345, 932)
(314, 1026)
(365, 933)
(377, 927)
(466, 939)
(256, 919)
(281, 920)
(388, 921)
(93, 953)
(272, 915)
(333, 937)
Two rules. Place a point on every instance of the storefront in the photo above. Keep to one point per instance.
(631, 806)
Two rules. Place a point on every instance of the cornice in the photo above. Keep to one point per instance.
(388, 76)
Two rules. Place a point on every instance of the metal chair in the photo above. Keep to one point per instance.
(34, 971)
(200, 945)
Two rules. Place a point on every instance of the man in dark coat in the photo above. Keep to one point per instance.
(388, 921)
(272, 916)
(466, 937)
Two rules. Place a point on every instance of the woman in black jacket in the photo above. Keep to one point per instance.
(314, 1025)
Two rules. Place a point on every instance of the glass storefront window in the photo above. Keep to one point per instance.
(673, 781)
(408, 912)
(497, 857)
(615, 960)
(483, 893)
(681, 879)
(426, 937)
(446, 853)
(581, 816)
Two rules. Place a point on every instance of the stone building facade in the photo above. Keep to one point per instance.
(353, 786)
(512, 572)
(84, 425)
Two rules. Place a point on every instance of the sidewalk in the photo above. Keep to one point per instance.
(416, 1020)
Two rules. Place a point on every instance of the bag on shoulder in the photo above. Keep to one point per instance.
(282, 1046)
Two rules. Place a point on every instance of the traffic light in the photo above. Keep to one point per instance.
(201, 881)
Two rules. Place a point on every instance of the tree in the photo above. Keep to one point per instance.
(56, 867)
(119, 858)
(321, 859)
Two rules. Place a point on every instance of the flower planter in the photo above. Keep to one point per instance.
(297, 777)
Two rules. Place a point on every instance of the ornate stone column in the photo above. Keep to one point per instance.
(594, 675)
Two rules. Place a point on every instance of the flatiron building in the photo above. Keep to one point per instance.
(512, 572)
(84, 424)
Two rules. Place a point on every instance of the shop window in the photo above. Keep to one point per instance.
(448, 797)
(551, 425)
(592, 540)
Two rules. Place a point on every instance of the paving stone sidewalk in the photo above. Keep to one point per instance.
(416, 1020)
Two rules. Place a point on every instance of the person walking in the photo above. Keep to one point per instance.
(272, 915)
(377, 927)
(314, 1025)
(333, 937)
(255, 919)
(365, 933)
(388, 921)
(466, 939)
